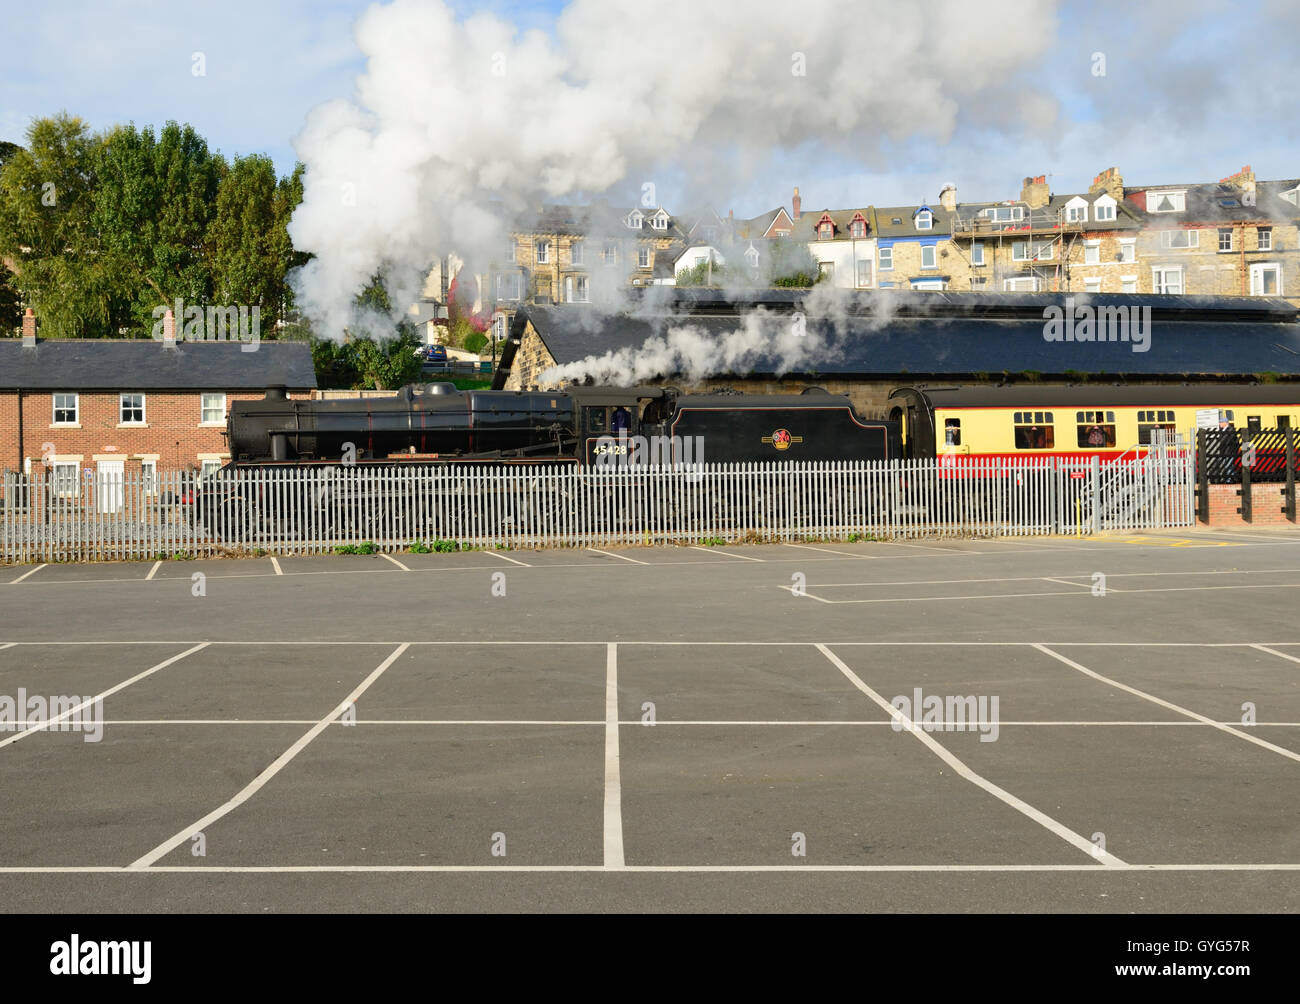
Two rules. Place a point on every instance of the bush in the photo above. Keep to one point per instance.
(476, 342)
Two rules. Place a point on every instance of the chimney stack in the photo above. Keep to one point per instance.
(1035, 193)
(29, 329)
(948, 197)
(169, 330)
(1110, 182)
(795, 204)
(1244, 182)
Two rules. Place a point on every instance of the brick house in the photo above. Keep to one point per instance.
(115, 408)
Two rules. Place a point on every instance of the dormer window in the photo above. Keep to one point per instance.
(924, 220)
(825, 230)
(659, 221)
(1004, 214)
(1076, 211)
(634, 219)
(1292, 195)
(1103, 210)
(751, 256)
(858, 228)
(1166, 202)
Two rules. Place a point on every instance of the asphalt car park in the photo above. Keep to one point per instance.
(680, 728)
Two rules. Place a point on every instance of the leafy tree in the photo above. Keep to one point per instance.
(703, 275)
(247, 252)
(476, 342)
(388, 365)
(7, 151)
(47, 229)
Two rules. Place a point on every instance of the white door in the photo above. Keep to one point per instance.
(108, 485)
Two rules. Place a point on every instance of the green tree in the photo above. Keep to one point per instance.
(703, 274)
(48, 234)
(387, 365)
(155, 200)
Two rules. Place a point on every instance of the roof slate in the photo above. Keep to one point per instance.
(139, 364)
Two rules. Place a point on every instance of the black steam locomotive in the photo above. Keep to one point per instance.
(435, 424)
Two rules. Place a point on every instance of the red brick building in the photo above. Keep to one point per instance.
(131, 408)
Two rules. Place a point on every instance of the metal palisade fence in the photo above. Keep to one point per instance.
(314, 510)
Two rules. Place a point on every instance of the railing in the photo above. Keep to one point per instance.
(316, 510)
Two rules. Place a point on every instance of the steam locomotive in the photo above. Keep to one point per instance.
(590, 426)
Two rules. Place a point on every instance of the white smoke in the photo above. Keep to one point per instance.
(458, 125)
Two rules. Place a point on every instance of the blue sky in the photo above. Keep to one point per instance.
(1193, 90)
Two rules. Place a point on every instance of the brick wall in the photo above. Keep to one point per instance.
(1266, 500)
(172, 433)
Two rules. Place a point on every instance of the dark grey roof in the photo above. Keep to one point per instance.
(898, 335)
(144, 364)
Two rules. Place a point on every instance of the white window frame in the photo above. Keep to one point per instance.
(829, 231)
(1103, 211)
(1222, 232)
(932, 251)
(1092, 252)
(121, 410)
(642, 257)
(867, 264)
(576, 253)
(634, 220)
(74, 480)
(1034, 250)
(609, 254)
(542, 252)
(1128, 250)
(581, 289)
(1013, 285)
(1076, 212)
(149, 477)
(1168, 243)
(1128, 280)
(1263, 238)
(1092, 284)
(1178, 198)
(204, 408)
(886, 256)
(659, 221)
(1014, 214)
(75, 423)
(499, 327)
(514, 281)
(979, 283)
(855, 226)
(1160, 279)
(925, 220)
(977, 253)
(928, 285)
(1257, 278)
(751, 256)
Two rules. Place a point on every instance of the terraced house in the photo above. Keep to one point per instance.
(577, 254)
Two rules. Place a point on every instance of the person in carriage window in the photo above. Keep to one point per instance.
(622, 421)
(1096, 437)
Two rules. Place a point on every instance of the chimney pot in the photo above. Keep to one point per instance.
(796, 203)
(169, 329)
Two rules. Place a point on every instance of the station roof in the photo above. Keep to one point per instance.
(899, 335)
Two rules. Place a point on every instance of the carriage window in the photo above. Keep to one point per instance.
(596, 419)
(952, 432)
(1096, 429)
(1149, 420)
(1284, 421)
(1033, 430)
(1254, 423)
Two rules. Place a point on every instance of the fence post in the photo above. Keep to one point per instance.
(1288, 493)
(1247, 515)
(1202, 475)
(1094, 483)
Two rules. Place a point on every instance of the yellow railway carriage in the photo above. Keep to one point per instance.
(1080, 421)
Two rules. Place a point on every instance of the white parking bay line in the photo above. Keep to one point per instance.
(621, 557)
(389, 557)
(728, 554)
(26, 574)
(99, 697)
(842, 554)
(255, 785)
(506, 557)
(646, 869)
(276, 565)
(1044, 820)
(153, 571)
(613, 780)
(1273, 651)
(1166, 704)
